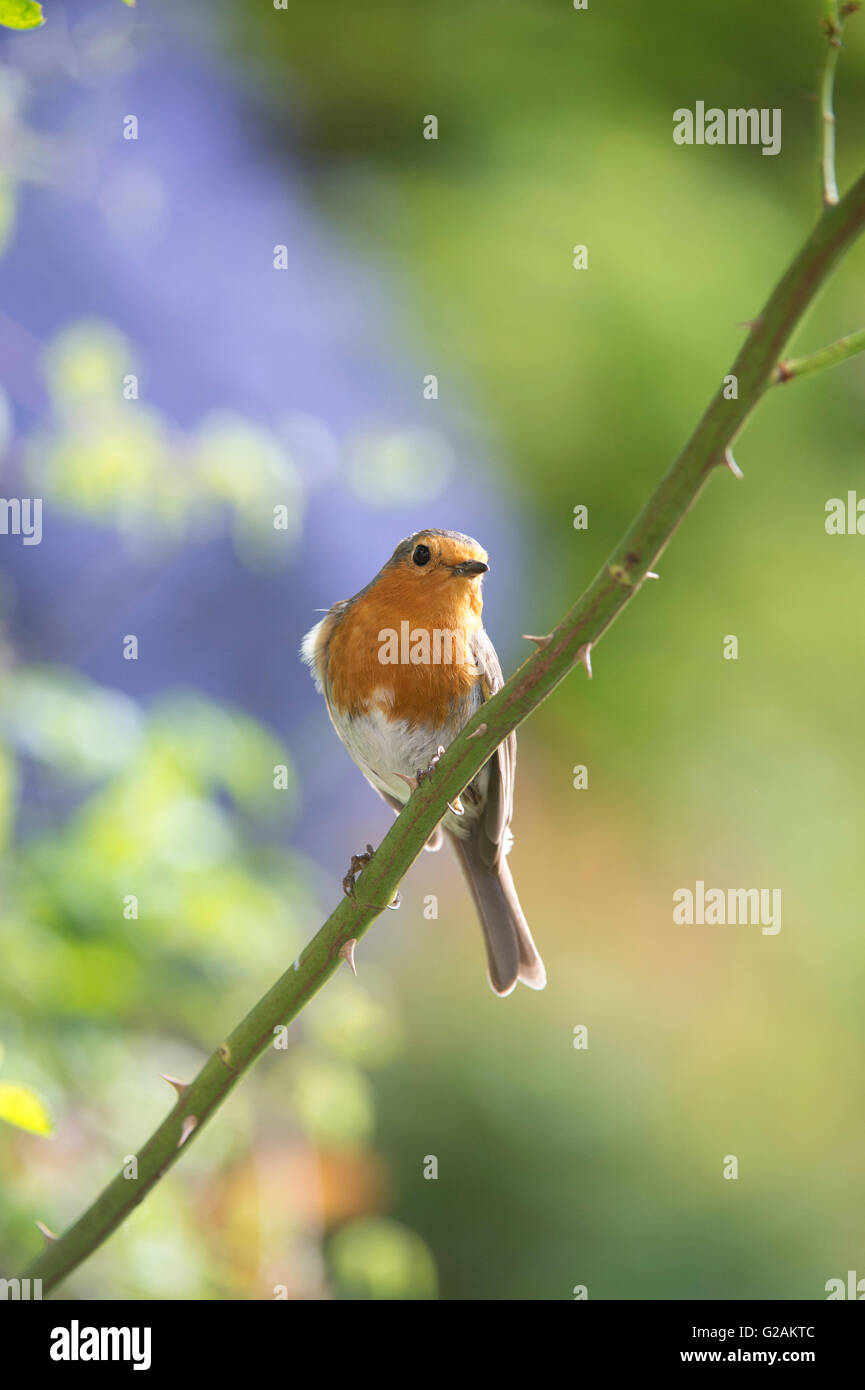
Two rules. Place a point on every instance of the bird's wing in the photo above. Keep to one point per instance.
(494, 838)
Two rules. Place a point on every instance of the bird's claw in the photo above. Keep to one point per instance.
(428, 772)
(358, 862)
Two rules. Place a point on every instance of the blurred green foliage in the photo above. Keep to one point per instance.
(21, 14)
(153, 906)
(109, 456)
(21, 1106)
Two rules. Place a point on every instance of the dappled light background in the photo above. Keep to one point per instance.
(303, 389)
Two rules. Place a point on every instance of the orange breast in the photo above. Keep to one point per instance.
(406, 647)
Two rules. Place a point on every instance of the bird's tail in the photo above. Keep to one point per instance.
(511, 952)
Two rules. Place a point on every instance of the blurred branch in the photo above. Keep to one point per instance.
(569, 643)
(833, 25)
(828, 356)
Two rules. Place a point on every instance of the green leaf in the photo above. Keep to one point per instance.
(21, 14)
(22, 1107)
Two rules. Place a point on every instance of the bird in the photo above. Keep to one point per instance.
(403, 666)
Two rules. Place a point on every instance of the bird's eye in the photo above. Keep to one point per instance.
(421, 555)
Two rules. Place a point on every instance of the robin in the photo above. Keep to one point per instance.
(403, 666)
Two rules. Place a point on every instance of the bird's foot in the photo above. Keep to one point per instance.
(355, 868)
(358, 862)
(428, 772)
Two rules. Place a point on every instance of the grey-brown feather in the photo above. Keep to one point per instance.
(511, 952)
(495, 824)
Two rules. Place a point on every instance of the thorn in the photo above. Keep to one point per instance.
(481, 729)
(347, 953)
(749, 323)
(409, 781)
(179, 1086)
(296, 965)
(650, 574)
(47, 1235)
(540, 641)
(186, 1129)
(397, 902)
(732, 464)
(457, 807)
(584, 657)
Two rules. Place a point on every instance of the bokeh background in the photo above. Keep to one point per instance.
(303, 388)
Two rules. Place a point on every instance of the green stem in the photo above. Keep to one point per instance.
(828, 356)
(611, 589)
(833, 24)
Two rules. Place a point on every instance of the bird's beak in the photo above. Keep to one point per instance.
(470, 567)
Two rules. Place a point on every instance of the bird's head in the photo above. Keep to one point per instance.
(433, 557)
(438, 570)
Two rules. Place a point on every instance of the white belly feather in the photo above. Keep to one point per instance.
(383, 748)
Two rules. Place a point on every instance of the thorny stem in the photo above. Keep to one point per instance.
(833, 25)
(828, 356)
(569, 643)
